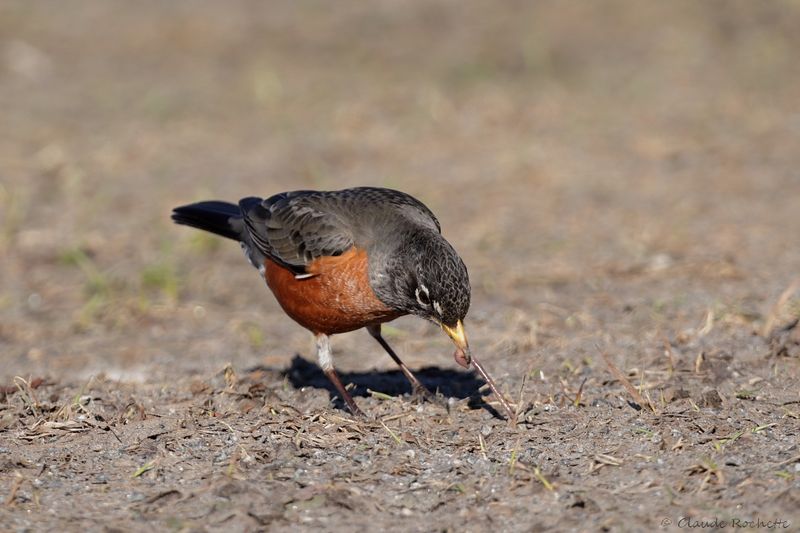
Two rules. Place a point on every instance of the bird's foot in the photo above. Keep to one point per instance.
(355, 410)
(422, 395)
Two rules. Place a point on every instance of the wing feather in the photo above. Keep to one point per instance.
(290, 229)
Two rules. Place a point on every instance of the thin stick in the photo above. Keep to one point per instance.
(483, 447)
(543, 480)
(392, 433)
(624, 380)
(769, 324)
(521, 393)
(495, 390)
(13, 494)
(577, 401)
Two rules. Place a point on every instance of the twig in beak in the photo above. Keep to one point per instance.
(511, 414)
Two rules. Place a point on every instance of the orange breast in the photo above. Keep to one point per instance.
(338, 298)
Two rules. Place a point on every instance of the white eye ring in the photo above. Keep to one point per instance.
(422, 289)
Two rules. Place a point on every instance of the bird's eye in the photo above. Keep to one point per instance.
(422, 296)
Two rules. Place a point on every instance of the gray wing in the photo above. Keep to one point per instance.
(294, 228)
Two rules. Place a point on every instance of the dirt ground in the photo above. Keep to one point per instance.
(620, 177)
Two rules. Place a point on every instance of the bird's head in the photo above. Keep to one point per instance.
(426, 277)
(431, 281)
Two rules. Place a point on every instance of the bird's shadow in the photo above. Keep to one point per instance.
(445, 382)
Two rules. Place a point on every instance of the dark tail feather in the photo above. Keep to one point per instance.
(221, 218)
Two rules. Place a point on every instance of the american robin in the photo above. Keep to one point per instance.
(338, 261)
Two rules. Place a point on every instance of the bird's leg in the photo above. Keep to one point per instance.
(419, 388)
(326, 363)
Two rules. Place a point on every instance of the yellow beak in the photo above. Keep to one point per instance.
(460, 339)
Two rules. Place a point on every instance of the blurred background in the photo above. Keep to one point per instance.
(611, 172)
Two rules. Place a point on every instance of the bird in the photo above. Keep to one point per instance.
(338, 261)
